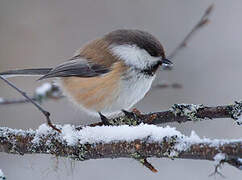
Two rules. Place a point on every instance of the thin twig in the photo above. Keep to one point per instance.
(166, 85)
(4, 101)
(46, 113)
(201, 23)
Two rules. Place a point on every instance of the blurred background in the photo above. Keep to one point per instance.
(45, 33)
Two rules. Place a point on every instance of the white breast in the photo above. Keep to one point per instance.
(133, 87)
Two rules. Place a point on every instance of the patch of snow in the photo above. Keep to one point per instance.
(43, 129)
(240, 160)
(108, 134)
(2, 177)
(69, 134)
(239, 120)
(219, 157)
(186, 141)
(43, 89)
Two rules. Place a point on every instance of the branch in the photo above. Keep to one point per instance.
(190, 112)
(120, 141)
(179, 113)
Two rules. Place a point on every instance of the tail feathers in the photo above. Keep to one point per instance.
(25, 72)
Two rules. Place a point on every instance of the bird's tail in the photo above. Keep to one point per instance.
(25, 72)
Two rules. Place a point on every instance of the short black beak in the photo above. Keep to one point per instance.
(166, 63)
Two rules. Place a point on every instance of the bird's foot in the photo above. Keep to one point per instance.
(104, 119)
(136, 111)
(129, 114)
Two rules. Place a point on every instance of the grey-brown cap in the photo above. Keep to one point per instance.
(142, 39)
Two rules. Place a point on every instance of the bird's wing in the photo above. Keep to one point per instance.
(78, 67)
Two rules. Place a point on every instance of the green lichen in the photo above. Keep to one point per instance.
(80, 155)
(235, 111)
(124, 120)
(169, 144)
(188, 110)
(138, 157)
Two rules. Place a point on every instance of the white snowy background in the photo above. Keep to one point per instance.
(45, 33)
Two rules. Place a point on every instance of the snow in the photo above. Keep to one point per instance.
(107, 134)
(1, 100)
(2, 177)
(239, 120)
(219, 157)
(240, 160)
(69, 134)
(43, 89)
(41, 131)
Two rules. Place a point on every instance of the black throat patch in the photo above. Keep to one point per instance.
(150, 71)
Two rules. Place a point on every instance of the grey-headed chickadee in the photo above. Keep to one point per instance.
(108, 74)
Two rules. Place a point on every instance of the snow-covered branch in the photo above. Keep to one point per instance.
(137, 142)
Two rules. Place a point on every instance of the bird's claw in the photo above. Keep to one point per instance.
(104, 119)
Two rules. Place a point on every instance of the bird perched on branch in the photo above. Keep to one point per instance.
(109, 74)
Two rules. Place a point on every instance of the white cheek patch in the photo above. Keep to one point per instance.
(133, 55)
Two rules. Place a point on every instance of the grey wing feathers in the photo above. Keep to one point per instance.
(77, 68)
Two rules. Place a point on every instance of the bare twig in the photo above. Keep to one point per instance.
(42, 110)
(79, 146)
(201, 23)
(165, 85)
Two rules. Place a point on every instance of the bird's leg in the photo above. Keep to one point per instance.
(136, 111)
(104, 119)
(46, 113)
(129, 114)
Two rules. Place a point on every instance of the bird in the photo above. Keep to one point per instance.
(109, 74)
